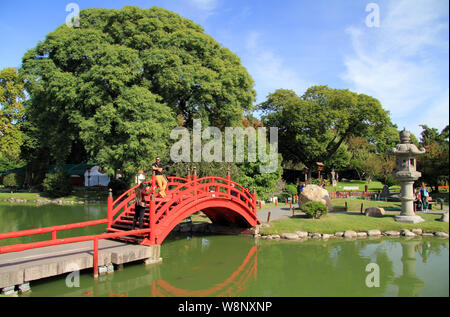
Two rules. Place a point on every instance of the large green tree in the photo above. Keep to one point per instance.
(313, 127)
(111, 90)
(434, 163)
(11, 116)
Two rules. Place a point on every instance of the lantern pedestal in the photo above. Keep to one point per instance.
(406, 174)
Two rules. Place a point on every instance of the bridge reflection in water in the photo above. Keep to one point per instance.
(232, 286)
(193, 267)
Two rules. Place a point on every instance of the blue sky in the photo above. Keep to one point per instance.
(294, 44)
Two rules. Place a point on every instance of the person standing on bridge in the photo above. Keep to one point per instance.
(139, 207)
(160, 178)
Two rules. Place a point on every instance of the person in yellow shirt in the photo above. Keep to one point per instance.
(160, 179)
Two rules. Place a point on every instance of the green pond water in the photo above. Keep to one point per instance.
(235, 266)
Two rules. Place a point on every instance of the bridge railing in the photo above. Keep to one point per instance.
(125, 201)
(56, 241)
(202, 187)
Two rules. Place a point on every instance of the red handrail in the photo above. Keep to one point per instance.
(9, 235)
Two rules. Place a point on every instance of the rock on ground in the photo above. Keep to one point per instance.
(441, 234)
(289, 236)
(374, 233)
(444, 217)
(302, 234)
(350, 234)
(374, 212)
(315, 193)
(417, 231)
(392, 233)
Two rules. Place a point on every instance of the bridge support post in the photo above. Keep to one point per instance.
(95, 258)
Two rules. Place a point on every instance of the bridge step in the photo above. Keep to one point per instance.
(125, 221)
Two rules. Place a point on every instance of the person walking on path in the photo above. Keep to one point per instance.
(160, 179)
(139, 207)
(424, 197)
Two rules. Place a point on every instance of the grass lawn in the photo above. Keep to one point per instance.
(78, 194)
(355, 204)
(372, 186)
(339, 222)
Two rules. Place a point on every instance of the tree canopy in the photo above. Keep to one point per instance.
(313, 127)
(11, 116)
(111, 90)
(434, 164)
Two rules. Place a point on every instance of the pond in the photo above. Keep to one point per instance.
(238, 266)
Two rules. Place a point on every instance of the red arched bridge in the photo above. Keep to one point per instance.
(225, 202)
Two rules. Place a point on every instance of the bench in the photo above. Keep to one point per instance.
(430, 202)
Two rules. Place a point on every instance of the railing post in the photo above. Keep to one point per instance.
(194, 180)
(151, 220)
(255, 210)
(153, 179)
(96, 258)
(110, 208)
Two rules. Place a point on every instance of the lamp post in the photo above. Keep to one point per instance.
(319, 168)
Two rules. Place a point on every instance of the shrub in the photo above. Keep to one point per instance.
(118, 186)
(11, 181)
(314, 209)
(291, 189)
(57, 184)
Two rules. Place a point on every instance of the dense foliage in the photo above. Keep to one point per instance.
(314, 127)
(57, 184)
(110, 91)
(11, 116)
(434, 164)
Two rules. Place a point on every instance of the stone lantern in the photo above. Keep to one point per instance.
(406, 173)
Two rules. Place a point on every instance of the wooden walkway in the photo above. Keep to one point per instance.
(17, 268)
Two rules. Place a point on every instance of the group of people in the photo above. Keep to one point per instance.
(140, 204)
(421, 198)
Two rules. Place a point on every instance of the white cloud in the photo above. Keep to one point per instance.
(404, 62)
(205, 6)
(268, 69)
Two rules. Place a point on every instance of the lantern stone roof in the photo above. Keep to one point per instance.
(406, 147)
